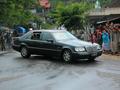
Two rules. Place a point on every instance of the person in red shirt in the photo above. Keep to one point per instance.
(99, 36)
(93, 38)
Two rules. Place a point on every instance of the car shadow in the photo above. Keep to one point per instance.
(56, 60)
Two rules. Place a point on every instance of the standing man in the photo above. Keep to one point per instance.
(2, 40)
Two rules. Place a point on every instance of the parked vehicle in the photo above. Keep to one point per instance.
(19, 31)
(56, 43)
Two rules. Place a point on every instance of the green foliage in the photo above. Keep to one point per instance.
(72, 16)
(16, 12)
(102, 2)
(47, 26)
(105, 2)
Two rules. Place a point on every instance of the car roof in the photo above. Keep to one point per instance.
(48, 30)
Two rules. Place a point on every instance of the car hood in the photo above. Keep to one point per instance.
(76, 43)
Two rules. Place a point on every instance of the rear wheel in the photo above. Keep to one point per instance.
(67, 56)
(24, 52)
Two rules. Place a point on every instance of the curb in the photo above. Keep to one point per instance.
(3, 52)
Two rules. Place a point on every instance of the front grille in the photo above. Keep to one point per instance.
(91, 49)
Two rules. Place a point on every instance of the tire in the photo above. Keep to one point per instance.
(67, 56)
(24, 52)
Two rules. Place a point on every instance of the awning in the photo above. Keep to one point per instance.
(117, 20)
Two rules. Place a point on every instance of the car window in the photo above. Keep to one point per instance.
(36, 35)
(46, 36)
(63, 36)
(27, 36)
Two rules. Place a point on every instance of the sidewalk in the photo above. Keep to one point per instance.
(109, 57)
(5, 52)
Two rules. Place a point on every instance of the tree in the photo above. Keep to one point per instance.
(72, 16)
(15, 12)
(105, 2)
(102, 2)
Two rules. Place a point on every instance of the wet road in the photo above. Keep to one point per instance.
(39, 73)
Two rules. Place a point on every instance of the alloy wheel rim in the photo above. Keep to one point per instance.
(24, 52)
(66, 56)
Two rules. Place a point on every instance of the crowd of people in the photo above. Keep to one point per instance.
(5, 40)
(108, 36)
(7, 34)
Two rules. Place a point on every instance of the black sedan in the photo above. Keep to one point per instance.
(56, 43)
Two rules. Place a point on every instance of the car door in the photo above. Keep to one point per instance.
(49, 46)
(34, 43)
(28, 42)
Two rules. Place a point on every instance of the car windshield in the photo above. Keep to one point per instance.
(63, 36)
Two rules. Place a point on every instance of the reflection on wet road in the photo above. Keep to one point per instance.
(40, 73)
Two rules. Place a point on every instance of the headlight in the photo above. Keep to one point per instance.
(98, 47)
(79, 49)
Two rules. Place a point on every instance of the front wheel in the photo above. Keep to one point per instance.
(67, 56)
(24, 52)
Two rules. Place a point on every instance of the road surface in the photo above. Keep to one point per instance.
(40, 73)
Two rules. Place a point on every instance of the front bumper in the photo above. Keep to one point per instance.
(86, 55)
